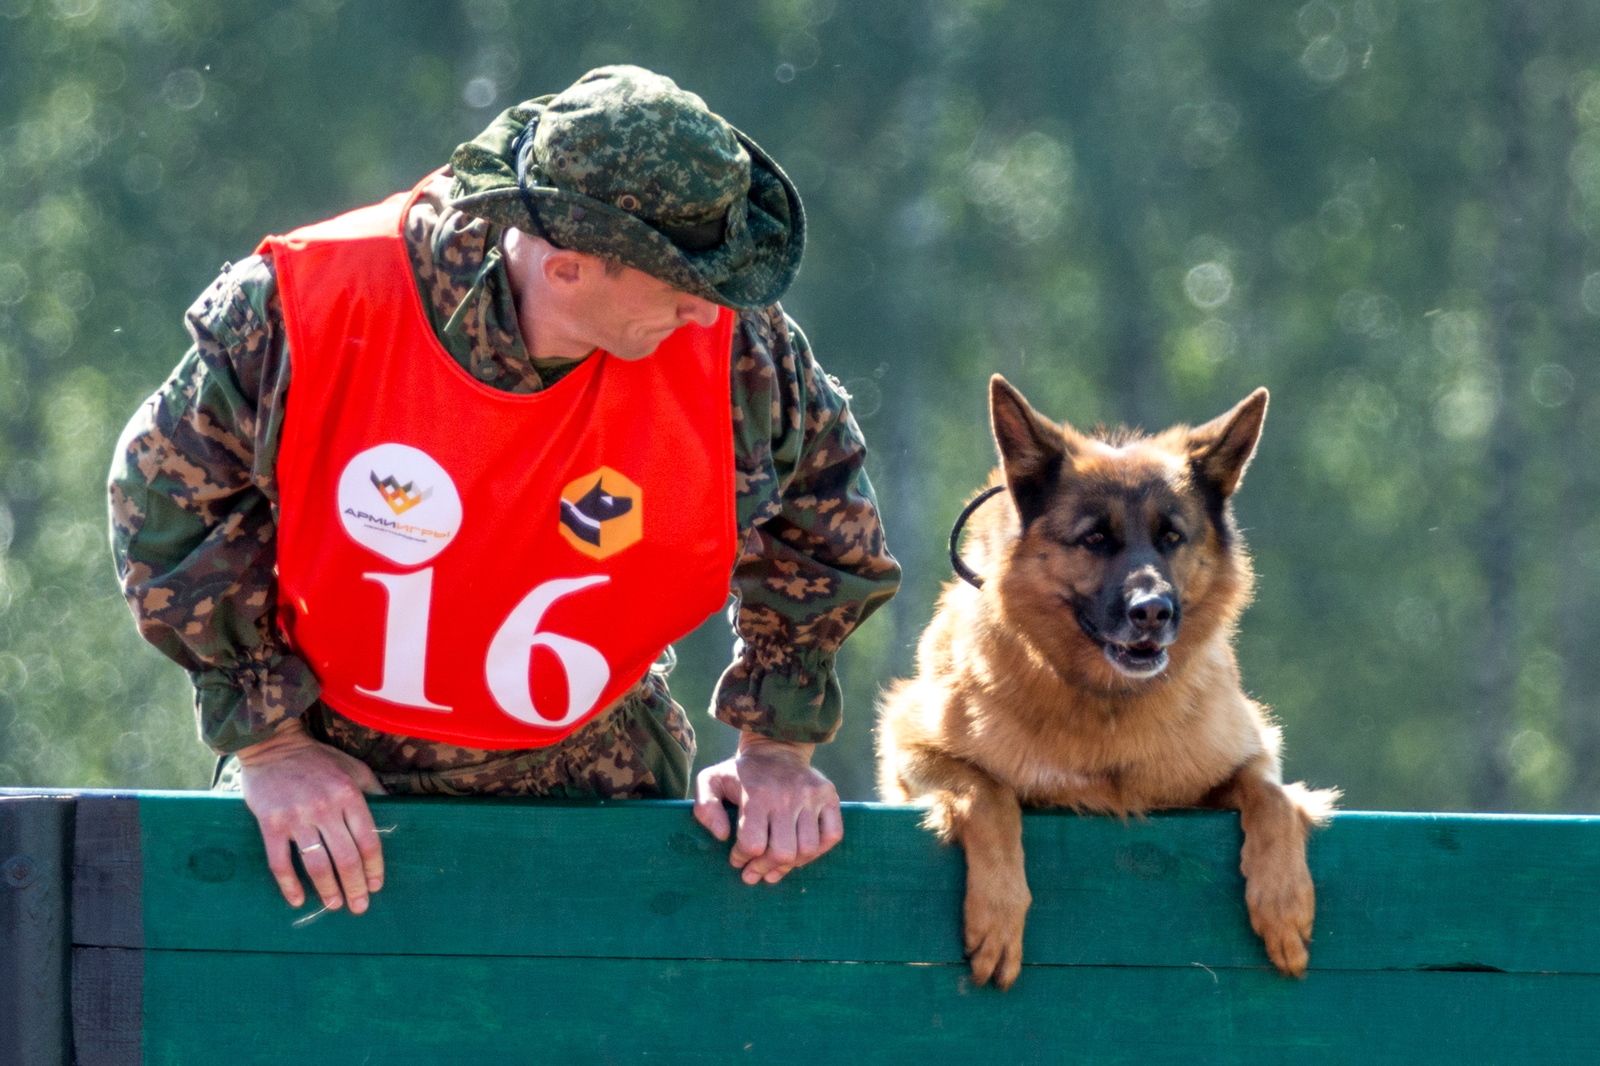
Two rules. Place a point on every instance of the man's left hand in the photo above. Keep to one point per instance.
(788, 812)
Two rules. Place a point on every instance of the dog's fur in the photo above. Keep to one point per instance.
(1095, 669)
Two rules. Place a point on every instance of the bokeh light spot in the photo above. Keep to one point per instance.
(1590, 293)
(1340, 218)
(479, 92)
(1208, 285)
(1551, 385)
(1317, 19)
(1465, 412)
(14, 284)
(184, 89)
(1325, 59)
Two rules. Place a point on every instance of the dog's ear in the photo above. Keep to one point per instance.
(1220, 450)
(1032, 448)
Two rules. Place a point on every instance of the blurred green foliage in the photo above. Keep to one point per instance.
(1384, 210)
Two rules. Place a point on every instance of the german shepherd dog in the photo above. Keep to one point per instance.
(1094, 669)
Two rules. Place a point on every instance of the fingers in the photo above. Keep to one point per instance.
(282, 867)
(750, 846)
(808, 840)
(789, 844)
(832, 826)
(343, 860)
(788, 812)
(708, 809)
(358, 820)
(352, 852)
(314, 857)
(778, 857)
(347, 864)
(311, 796)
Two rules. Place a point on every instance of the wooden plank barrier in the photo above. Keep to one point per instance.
(144, 928)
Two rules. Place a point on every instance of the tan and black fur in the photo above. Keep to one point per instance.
(1095, 669)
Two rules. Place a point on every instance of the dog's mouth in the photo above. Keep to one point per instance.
(1139, 659)
(1136, 659)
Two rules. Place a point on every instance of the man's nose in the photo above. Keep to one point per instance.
(700, 311)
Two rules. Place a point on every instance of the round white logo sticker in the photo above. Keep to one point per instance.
(397, 501)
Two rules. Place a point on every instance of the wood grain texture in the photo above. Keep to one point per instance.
(35, 888)
(348, 1010)
(108, 873)
(108, 1006)
(642, 880)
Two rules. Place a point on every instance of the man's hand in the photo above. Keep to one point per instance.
(309, 794)
(788, 812)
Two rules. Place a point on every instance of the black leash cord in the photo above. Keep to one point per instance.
(962, 570)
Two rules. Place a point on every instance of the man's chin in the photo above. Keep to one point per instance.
(641, 350)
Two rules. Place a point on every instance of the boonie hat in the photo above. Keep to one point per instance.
(627, 166)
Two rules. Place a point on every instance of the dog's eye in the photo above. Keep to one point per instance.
(1095, 541)
(1172, 538)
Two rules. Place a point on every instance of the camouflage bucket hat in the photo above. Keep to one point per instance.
(626, 165)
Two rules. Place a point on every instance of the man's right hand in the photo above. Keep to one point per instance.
(309, 794)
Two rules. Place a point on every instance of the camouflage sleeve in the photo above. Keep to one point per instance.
(192, 526)
(814, 563)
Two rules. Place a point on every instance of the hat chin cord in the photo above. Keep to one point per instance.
(522, 150)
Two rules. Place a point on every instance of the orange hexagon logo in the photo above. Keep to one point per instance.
(602, 513)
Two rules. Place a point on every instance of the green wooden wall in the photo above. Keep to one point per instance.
(513, 932)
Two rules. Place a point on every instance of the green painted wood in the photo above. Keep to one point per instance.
(642, 880)
(348, 1010)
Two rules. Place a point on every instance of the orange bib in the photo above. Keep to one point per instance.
(471, 566)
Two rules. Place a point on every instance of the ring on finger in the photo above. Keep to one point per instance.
(309, 847)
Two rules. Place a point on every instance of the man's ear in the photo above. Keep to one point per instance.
(1220, 450)
(1032, 449)
(563, 268)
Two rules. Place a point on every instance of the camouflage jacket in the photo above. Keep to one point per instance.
(193, 503)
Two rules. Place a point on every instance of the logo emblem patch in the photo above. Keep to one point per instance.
(397, 501)
(602, 513)
(400, 498)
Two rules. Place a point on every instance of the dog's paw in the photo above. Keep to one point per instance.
(994, 936)
(1282, 906)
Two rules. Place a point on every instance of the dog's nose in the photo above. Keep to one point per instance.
(1149, 610)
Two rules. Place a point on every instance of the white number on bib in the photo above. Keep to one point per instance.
(405, 639)
(506, 668)
(405, 650)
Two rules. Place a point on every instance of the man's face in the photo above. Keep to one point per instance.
(629, 313)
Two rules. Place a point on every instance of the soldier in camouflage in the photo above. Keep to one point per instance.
(632, 183)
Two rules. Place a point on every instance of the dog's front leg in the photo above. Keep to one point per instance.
(973, 808)
(1278, 888)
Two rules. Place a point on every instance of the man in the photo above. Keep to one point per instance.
(440, 479)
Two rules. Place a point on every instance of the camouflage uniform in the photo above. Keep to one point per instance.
(193, 504)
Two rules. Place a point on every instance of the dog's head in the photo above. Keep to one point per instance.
(1125, 552)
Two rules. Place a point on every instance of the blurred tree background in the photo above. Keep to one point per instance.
(1387, 211)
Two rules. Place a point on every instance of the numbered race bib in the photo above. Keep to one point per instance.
(467, 565)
